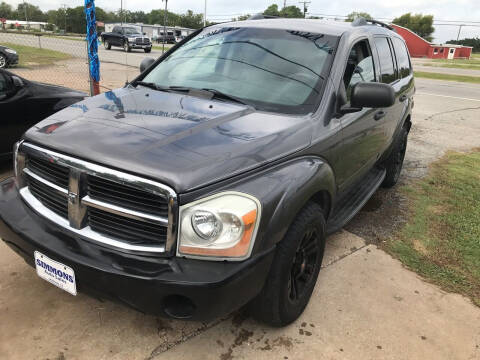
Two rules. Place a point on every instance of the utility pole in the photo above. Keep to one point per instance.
(164, 26)
(65, 16)
(26, 16)
(121, 12)
(205, 15)
(459, 29)
(304, 7)
(284, 4)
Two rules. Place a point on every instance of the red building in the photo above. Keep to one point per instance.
(419, 47)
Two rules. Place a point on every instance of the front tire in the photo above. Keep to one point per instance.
(126, 47)
(3, 62)
(294, 271)
(148, 50)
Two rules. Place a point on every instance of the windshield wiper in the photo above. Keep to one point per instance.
(217, 94)
(150, 85)
(213, 93)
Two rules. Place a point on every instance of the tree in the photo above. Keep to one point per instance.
(287, 12)
(6, 10)
(473, 42)
(241, 17)
(33, 12)
(291, 12)
(191, 20)
(272, 10)
(354, 15)
(422, 25)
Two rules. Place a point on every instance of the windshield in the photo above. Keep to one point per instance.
(130, 31)
(273, 70)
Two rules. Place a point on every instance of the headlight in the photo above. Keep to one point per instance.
(131, 39)
(11, 51)
(220, 227)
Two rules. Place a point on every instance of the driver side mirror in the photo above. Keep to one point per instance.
(370, 95)
(17, 82)
(146, 63)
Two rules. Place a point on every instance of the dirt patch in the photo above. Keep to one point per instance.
(384, 213)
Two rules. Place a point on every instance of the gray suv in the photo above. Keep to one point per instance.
(212, 180)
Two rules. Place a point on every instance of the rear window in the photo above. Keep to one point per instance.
(403, 60)
(387, 66)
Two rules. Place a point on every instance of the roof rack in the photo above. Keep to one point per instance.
(261, 16)
(361, 21)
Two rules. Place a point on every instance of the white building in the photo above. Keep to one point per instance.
(37, 25)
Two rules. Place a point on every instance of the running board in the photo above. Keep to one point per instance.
(352, 202)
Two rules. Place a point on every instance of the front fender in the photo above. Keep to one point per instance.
(283, 190)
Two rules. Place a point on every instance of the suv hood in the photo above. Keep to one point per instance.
(182, 141)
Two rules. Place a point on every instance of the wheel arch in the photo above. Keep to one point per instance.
(303, 181)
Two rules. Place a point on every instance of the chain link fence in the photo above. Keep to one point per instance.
(62, 60)
(49, 59)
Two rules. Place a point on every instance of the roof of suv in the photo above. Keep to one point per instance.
(327, 27)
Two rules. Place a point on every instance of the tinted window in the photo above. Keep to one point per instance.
(387, 66)
(403, 60)
(116, 29)
(359, 67)
(130, 31)
(273, 70)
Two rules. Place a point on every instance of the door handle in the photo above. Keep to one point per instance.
(379, 115)
(403, 98)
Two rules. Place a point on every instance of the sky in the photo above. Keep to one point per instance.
(224, 10)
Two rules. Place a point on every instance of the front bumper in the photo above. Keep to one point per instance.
(140, 46)
(12, 59)
(172, 287)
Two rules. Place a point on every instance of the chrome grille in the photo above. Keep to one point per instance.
(103, 205)
(126, 196)
(142, 41)
(134, 232)
(50, 199)
(54, 173)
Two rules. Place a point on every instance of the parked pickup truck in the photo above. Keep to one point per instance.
(127, 37)
(213, 179)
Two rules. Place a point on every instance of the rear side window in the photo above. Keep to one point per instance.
(403, 60)
(387, 66)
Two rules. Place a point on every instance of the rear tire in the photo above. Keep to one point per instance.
(394, 163)
(294, 270)
(107, 45)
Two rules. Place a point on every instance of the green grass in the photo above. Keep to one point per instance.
(448, 77)
(33, 56)
(441, 239)
(472, 64)
(67, 38)
(160, 47)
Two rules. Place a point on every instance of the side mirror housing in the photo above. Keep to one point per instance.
(372, 95)
(17, 82)
(146, 63)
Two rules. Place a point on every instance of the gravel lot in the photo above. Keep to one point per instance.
(376, 310)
